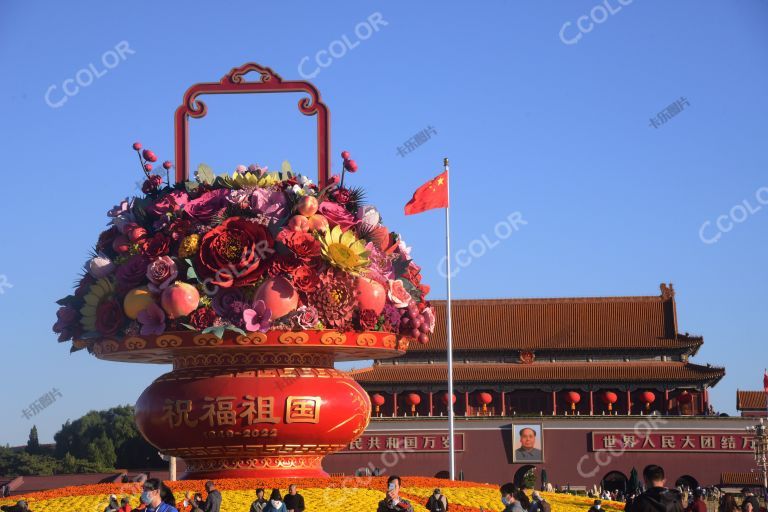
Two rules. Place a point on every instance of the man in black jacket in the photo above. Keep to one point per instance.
(294, 502)
(656, 498)
(212, 502)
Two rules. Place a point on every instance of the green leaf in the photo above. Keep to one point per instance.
(66, 301)
(189, 186)
(191, 274)
(216, 330)
(223, 182)
(204, 174)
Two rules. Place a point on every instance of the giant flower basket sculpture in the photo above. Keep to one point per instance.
(252, 284)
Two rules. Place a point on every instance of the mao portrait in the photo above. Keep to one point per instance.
(527, 443)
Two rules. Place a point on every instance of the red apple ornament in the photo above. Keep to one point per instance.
(179, 299)
(370, 295)
(308, 206)
(278, 295)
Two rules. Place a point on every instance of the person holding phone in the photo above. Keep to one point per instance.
(393, 501)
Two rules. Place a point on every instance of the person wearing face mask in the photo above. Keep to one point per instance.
(437, 502)
(152, 497)
(596, 506)
(508, 492)
(275, 502)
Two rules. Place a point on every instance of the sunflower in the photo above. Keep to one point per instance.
(343, 250)
(97, 293)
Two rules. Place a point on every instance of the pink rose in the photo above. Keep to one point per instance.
(205, 207)
(161, 273)
(337, 215)
(168, 203)
(398, 294)
(429, 318)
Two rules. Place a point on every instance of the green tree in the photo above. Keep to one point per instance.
(33, 444)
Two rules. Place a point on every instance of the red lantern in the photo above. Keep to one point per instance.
(413, 400)
(485, 399)
(445, 398)
(685, 397)
(378, 400)
(573, 397)
(648, 397)
(609, 398)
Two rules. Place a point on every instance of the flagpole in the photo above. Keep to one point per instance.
(452, 456)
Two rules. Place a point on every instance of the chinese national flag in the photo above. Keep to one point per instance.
(432, 194)
(765, 381)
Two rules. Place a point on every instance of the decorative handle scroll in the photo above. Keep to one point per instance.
(234, 83)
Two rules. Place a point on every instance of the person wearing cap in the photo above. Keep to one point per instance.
(538, 503)
(20, 506)
(212, 502)
(596, 506)
(437, 502)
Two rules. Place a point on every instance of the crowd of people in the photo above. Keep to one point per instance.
(158, 497)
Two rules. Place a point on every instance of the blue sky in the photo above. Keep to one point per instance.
(559, 132)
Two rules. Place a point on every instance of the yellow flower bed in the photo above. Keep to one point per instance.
(339, 495)
(489, 498)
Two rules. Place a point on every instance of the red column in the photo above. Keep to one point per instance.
(503, 405)
(430, 403)
(591, 403)
(466, 403)
(706, 399)
(666, 401)
(554, 403)
(394, 401)
(703, 402)
(629, 403)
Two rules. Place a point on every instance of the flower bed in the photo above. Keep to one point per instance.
(335, 493)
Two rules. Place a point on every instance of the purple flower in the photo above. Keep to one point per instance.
(207, 205)
(122, 208)
(391, 316)
(152, 320)
(222, 301)
(258, 318)
(270, 202)
(131, 273)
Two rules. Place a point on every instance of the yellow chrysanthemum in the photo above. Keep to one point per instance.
(251, 180)
(343, 250)
(96, 293)
(189, 246)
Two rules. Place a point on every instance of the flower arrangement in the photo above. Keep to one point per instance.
(249, 251)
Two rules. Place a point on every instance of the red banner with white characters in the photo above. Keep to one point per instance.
(405, 442)
(672, 441)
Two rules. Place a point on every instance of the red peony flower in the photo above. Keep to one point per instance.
(303, 245)
(234, 253)
(306, 279)
(205, 207)
(169, 203)
(202, 318)
(335, 299)
(157, 246)
(368, 319)
(109, 317)
(413, 273)
(283, 264)
(179, 228)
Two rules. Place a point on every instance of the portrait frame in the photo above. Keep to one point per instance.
(536, 455)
